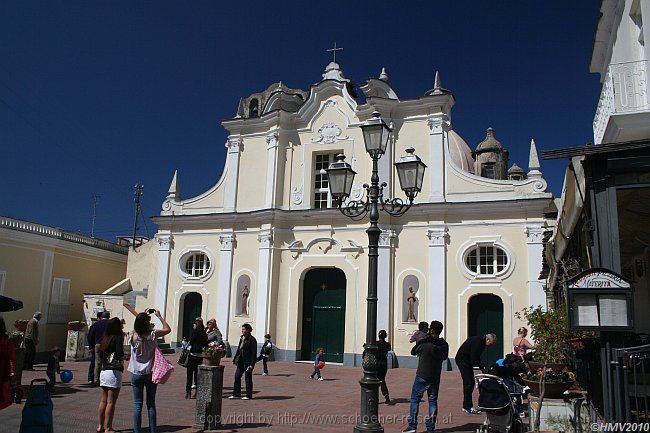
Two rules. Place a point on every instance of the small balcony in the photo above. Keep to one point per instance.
(624, 92)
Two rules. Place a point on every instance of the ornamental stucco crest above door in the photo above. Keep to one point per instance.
(329, 133)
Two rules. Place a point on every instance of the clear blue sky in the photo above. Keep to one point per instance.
(98, 96)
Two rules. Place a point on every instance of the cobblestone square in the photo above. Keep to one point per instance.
(284, 401)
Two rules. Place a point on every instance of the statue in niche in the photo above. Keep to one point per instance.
(244, 301)
(411, 299)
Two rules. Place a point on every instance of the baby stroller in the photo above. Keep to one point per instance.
(499, 405)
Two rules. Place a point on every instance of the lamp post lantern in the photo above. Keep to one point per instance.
(410, 170)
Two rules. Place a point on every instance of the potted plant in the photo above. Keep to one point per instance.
(213, 353)
(550, 331)
(76, 325)
(21, 325)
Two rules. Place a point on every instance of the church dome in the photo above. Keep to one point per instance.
(460, 152)
(490, 143)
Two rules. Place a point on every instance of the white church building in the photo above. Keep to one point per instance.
(265, 245)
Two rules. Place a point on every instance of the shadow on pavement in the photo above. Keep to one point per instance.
(274, 397)
(237, 427)
(168, 428)
(467, 427)
(394, 401)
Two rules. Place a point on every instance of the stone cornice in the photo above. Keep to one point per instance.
(493, 210)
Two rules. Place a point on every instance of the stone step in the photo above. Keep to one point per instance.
(168, 351)
(162, 346)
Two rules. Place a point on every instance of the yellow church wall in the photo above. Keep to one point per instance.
(31, 262)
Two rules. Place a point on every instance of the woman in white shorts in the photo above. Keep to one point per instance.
(110, 377)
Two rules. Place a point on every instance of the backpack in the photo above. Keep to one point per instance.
(268, 349)
(37, 413)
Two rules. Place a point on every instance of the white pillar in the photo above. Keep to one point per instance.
(162, 272)
(263, 283)
(384, 279)
(437, 287)
(234, 145)
(438, 126)
(224, 281)
(535, 247)
(271, 168)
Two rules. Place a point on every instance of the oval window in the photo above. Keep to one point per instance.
(197, 265)
(486, 260)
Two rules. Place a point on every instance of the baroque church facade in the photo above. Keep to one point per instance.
(265, 245)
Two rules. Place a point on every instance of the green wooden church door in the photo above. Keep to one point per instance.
(324, 314)
(485, 316)
(191, 310)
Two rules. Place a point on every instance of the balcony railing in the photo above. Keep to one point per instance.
(29, 227)
(624, 91)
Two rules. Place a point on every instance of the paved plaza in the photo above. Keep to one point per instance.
(284, 401)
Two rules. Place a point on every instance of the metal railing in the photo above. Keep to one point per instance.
(631, 384)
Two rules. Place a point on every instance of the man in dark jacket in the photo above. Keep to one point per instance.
(468, 357)
(95, 338)
(432, 351)
(245, 361)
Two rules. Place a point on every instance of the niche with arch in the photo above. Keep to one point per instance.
(243, 300)
(410, 300)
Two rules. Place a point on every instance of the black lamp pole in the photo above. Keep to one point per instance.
(411, 171)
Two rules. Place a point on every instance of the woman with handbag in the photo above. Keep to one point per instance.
(111, 352)
(198, 342)
(143, 351)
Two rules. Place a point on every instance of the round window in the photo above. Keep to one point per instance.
(197, 265)
(486, 260)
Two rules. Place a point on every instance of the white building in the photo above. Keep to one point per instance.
(470, 247)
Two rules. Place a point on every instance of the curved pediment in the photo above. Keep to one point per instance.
(376, 88)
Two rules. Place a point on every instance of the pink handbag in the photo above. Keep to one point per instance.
(161, 369)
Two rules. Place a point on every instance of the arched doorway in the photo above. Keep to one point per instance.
(192, 304)
(485, 316)
(323, 313)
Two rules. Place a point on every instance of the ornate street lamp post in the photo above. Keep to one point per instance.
(410, 170)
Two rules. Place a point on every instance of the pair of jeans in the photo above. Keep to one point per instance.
(248, 377)
(381, 375)
(265, 360)
(30, 353)
(467, 374)
(192, 372)
(139, 382)
(91, 367)
(419, 386)
(315, 373)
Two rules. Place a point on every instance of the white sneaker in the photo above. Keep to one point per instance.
(265, 374)
(233, 397)
(408, 430)
(320, 378)
(193, 386)
(311, 377)
(245, 398)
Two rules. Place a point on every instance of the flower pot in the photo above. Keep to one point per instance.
(552, 365)
(76, 326)
(211, 360)
(551, 389)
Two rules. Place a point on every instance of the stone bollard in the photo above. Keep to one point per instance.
(209, 391)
